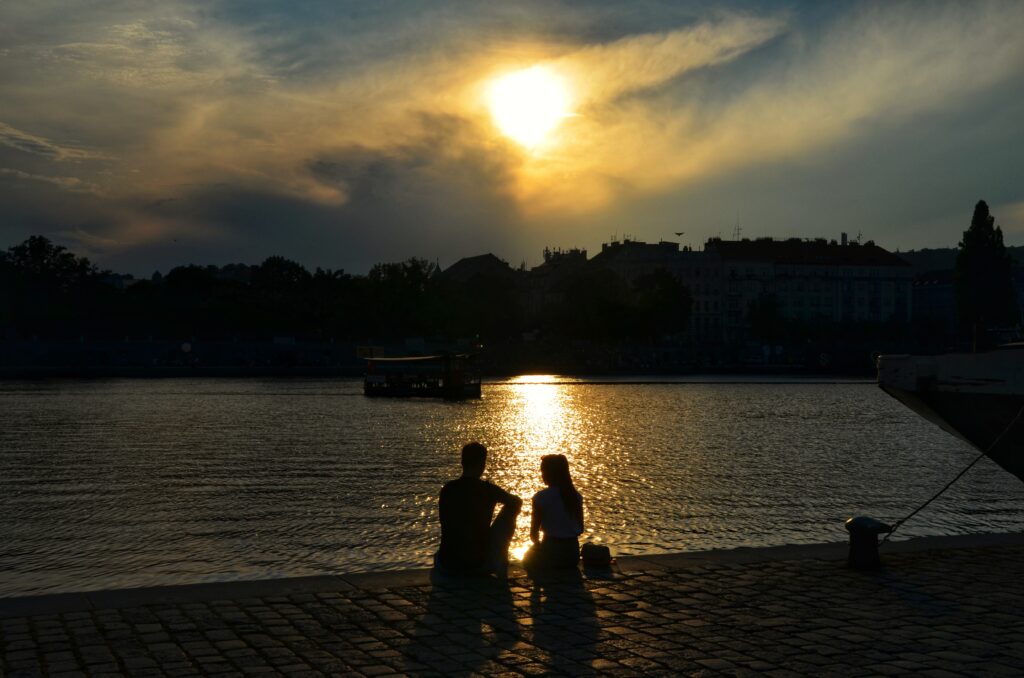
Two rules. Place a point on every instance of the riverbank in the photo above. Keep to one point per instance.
(945, 605)
(288, 357)
(776, 375)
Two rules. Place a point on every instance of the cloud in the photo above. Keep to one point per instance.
(162, 52)
(601, 73)
(68, 183)
(219, 107)
(866, 73)
(89, 243)
(362, 127)
(441, 192)
(41, 146)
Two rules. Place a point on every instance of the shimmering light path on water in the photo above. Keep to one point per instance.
(128, 483)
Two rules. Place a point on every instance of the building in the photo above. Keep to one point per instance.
(484, 265)
(699, 271)
(812, 281)
(632, 259)
(935, 307)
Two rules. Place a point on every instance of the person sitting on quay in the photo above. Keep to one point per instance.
(558, 513)
(470, 543)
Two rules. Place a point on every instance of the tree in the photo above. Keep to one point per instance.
(46, 290)
(662, 304)
(984, 277)
(278, 292)
(595, 304)
(40, 259)
(396, 296)
(486, 306)
(280, 275)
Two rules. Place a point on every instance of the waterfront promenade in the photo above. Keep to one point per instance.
(940, 607)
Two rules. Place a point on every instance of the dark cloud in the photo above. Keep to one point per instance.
(37, 145)
(441, 195)
(314, 38)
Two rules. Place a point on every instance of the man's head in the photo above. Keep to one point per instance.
(474, 457)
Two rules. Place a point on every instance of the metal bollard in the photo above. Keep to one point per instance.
(864, 533)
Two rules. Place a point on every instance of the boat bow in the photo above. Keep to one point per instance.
(978, 397)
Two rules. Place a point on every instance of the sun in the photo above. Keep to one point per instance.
(527, 105)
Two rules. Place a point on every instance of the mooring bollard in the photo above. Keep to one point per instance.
(864, 533)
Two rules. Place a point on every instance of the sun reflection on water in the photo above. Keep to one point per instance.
(542, 418)
(517, 551)
(316, 484)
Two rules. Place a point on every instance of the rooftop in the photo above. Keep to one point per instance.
(467, 268)
(800, 251)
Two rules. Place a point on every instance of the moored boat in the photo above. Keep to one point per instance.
(978, 397)
(453, 376)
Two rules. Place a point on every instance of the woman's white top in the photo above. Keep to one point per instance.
(555, 521)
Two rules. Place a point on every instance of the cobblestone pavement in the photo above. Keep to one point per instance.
(935, 613)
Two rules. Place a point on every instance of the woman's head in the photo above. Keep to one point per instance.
(554, 469)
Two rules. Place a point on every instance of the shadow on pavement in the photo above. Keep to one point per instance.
(564, 621)
(467, 624)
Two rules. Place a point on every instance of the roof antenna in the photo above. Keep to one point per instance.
(737, 231)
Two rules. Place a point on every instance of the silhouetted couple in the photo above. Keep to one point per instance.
(471, 544)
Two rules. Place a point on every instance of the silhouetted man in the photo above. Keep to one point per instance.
(470, 543)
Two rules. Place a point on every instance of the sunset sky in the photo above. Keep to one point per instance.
(340, 134)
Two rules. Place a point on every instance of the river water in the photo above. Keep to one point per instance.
(123, 483)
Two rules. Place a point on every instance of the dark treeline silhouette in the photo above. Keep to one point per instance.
(47, 292)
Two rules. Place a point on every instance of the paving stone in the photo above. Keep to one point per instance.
(935, 613)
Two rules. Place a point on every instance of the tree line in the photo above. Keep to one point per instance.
(49, 292)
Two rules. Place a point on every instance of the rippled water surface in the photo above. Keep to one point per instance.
(129, 483)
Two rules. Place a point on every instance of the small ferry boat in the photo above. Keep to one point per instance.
(978, 397)
(453, 376)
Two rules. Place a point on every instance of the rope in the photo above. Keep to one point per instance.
(991, 447)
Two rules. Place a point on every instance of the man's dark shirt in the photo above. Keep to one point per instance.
(467, 506)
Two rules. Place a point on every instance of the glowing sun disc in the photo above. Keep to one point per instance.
(527, 105)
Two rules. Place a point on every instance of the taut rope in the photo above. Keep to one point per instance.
(991, 447)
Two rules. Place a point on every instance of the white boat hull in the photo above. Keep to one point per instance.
(978, 397)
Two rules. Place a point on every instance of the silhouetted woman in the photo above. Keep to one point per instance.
(558, 513)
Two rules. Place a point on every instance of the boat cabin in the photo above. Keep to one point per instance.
(448, 375)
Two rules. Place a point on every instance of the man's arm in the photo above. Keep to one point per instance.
(513, 501)
(507, 498)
